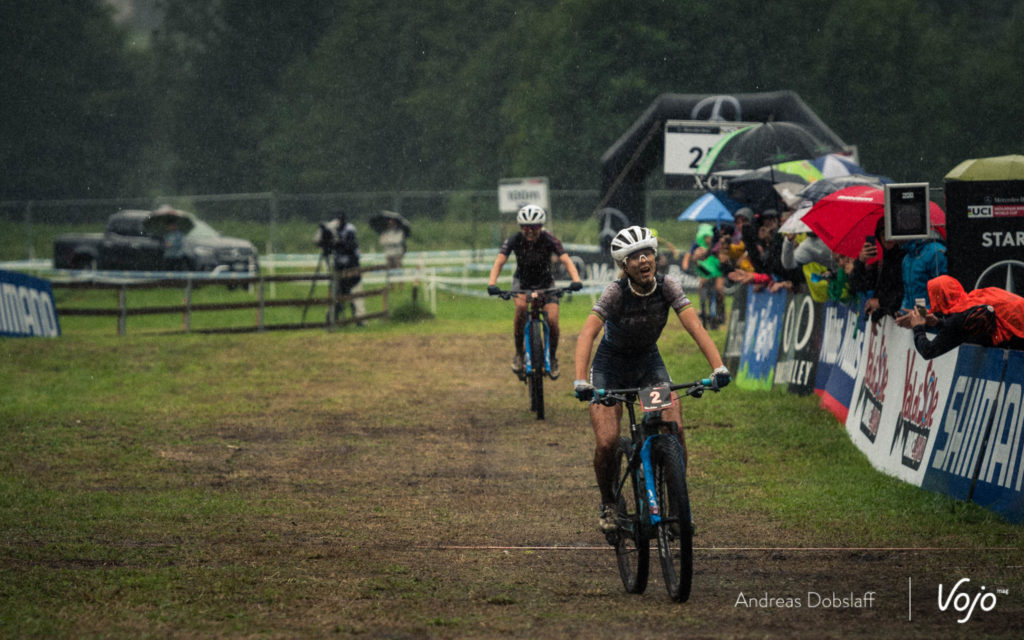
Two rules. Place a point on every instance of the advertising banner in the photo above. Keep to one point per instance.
(802, 329)
(839, 359)
(26, 306)
(737, 325)
(898, 402)
(979, 444)
(985, 233)
(761, 339)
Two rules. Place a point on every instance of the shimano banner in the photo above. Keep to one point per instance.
(979, 444)
(26, 306)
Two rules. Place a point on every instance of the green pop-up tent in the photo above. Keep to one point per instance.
(995, 168)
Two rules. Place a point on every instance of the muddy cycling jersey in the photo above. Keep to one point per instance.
(533, 259)
(634, 323)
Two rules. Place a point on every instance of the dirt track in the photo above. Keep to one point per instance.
(474, 520)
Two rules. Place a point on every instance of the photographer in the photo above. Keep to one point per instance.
(337, 239)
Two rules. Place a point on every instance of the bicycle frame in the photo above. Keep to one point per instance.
(536, 365)
(642, 459)
(536, 312)
(536, 299)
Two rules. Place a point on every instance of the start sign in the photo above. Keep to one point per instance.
(513, 193)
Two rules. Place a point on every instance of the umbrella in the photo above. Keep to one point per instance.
(758, 189)
(379, 221)
(845, 218)
(995, 168)
(762, 145)
(795, 222)
(818, 190)
(161, 220)
(707, 208)
(836, 164)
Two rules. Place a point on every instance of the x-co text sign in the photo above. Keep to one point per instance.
(513, 193)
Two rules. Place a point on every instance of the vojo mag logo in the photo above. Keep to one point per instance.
(965, 603)
(979, 211)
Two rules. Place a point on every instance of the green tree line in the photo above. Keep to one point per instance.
(359, 95)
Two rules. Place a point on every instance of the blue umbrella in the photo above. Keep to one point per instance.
(709, 208)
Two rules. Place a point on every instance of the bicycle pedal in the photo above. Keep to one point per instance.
(612, 537)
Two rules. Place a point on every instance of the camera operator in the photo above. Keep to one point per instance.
(337, 239)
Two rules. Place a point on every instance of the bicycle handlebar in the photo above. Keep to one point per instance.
(556, 292)
(694, 389)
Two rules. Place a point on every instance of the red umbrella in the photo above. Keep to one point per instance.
(845, 218)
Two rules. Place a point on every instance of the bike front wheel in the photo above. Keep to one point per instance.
(675, 537)
(632, 546)
(536, 381)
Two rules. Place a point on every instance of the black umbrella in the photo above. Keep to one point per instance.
(379, 221)
(756, 189)
(765, 145)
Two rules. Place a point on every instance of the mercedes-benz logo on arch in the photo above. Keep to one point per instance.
(1005, 274)
(718, 108)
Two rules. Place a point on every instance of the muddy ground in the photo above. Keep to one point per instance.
(401, 489)
(450, 512)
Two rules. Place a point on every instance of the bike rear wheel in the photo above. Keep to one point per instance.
(675, 537)
(536, 381)
(632, 546)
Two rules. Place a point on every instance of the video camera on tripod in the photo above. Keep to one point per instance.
(331, 238)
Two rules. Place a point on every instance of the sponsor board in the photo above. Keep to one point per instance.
(801, 343)
(839, 358)
(761, 339)
(979, 444)
(26, 306)
(737, 328)
(898, 401)
(985, 233)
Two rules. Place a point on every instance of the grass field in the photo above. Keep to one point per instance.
(388, 482)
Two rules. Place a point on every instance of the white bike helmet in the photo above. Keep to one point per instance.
(531, 214)
(632, 239)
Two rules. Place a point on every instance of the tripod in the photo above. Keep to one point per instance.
(323, 259)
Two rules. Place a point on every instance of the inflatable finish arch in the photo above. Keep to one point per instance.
(640, 150)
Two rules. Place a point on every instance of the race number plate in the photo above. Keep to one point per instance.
(655, 398)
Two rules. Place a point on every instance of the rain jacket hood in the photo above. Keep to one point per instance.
(947, 296)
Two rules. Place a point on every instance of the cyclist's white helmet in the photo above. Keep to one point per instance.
(632, 239)
(531, 214)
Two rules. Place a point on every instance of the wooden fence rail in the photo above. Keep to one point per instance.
(187, 308)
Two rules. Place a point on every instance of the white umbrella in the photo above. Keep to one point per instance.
(794, 223)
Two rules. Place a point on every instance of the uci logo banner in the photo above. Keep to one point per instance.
(26, 306)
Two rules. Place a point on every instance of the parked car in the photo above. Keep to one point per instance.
(142, 240)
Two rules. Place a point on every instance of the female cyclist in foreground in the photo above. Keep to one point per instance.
(632, 311)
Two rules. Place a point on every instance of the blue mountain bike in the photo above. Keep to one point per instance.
(651, 490)
(536, 342)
